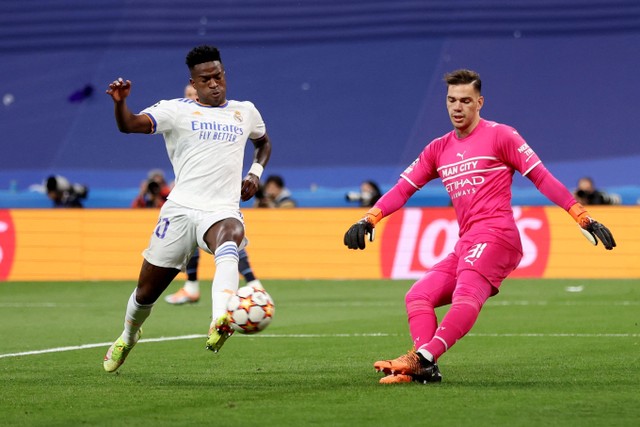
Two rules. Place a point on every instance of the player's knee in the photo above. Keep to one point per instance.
(145, 295)
(419, 306)
(468, 300)
(472, 289)
(229, 230)
(411, 296)
(417, 296)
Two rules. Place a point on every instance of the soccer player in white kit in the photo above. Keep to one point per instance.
(190, 292)
(205, 141)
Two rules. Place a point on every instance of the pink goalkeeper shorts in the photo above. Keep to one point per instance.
(485, 253)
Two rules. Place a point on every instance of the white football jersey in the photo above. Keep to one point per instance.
(206, 148)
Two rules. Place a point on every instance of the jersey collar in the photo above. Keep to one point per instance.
(224, 105)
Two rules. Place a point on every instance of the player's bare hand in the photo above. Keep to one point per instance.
(119, 89)
(250, 185)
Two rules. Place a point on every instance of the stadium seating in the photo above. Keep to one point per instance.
(349, 90)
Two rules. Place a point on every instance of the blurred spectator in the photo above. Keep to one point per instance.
(274, 194)
(153, 191)
(63, 194)
(190, 92)
(368, 195)
(587, 194)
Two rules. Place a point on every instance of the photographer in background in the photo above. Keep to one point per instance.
(63, 194)
(273, 194)
(368, 195)
(153, 191)
(587, 194)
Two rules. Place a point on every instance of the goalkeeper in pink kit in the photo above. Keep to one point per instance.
(476, 162)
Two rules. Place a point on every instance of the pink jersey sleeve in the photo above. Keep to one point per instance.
(423, 169)
(396, 197)
(553, 189)
(515, 150)
(413, 178)
(522, 158)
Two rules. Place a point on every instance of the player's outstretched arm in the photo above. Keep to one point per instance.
(592, 229)
(558, 194)
(127, 122)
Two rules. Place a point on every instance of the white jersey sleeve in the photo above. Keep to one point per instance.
(162, 115)
(258, 127)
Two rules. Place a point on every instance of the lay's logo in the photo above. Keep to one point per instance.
(415, 240)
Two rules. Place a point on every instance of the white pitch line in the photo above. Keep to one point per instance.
(185, 337)
(499, 303)
(100, 344)
(28, 305)
(379, 334)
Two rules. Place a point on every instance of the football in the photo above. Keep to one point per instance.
(250, 310)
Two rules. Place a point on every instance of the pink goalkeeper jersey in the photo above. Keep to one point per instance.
(477, 172)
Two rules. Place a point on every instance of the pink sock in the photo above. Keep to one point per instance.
(422, 322)
(470, 295)
(433, 290)
(455, 324)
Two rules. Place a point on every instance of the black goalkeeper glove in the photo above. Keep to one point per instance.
(591, 228)
(354, 237)
(595, 231)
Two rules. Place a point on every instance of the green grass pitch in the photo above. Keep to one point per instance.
(543, 352)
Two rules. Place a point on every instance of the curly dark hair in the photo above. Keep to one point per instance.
(201, 54)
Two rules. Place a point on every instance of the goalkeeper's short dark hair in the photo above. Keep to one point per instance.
(202, 54)
(464, 77)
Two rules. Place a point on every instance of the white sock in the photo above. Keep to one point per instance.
(134, 318)
(226, 278)
(426, 354)
(192, 287)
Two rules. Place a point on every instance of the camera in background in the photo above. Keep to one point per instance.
(367, 196)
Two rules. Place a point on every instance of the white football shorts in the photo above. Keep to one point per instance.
(179, 230)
